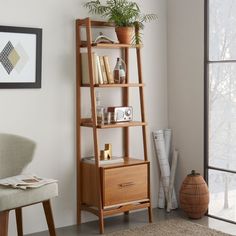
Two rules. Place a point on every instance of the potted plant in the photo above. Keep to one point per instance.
(125, 14)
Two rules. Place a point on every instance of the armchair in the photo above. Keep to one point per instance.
(16, 153)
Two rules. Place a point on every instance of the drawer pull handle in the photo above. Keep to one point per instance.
(128, 184)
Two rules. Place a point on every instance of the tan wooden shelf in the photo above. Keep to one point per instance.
(128, 161)
(114, 85)
(84, 44)
(114, 125)
(112, 210)
(129, 207)
(95, 23)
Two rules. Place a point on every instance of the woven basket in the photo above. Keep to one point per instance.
(194, 196)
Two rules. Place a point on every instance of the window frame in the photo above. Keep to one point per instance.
(207, 63)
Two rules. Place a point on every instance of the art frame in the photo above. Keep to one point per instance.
(20, 57)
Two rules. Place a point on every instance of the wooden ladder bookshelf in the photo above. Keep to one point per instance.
(106, 190)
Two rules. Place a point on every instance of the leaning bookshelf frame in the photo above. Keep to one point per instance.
(119, 187)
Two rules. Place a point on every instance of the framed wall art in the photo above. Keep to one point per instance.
(20, 57)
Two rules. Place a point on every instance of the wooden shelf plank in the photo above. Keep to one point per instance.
(115, 85)
(125, 208)
(121, 125)
(128, 161)
(95, 23)
(115, 125)
(115, 209)
(110, 45)
(90, 209)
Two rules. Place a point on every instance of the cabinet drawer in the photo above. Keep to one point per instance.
(125, 184)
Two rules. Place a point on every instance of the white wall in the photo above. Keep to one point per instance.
(47, 115)
(185, 82)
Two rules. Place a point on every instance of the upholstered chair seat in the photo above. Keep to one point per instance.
(14, 198)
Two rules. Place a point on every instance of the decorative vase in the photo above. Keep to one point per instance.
(125, 34)
(194, 195)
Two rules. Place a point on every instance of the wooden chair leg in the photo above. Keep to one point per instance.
(19, 223)
(49, 217)
(4, 216)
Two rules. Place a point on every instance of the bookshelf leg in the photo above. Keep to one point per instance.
(78, 216)
(150, 214)
(101, 223)
(126, 213)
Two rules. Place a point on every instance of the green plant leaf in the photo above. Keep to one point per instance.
(121, 12)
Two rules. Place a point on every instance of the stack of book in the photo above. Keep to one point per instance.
(101, 69)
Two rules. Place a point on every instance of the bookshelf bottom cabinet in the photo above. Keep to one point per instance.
(124, 187)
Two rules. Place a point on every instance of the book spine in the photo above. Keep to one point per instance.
(100, 79)
(109, 74)
(95, 68)
(104, 75)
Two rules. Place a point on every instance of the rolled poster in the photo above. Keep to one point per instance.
(172, 201)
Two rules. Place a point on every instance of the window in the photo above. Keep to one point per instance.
(220, 107)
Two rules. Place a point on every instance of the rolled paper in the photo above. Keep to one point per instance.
(172, 201)
(161, 196)
(167, 137)
(162, 156)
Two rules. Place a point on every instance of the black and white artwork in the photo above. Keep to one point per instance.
(20, 57)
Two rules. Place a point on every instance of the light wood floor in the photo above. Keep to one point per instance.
(136, 219)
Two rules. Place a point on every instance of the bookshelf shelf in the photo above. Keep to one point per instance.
(115, 85)
(84, 44)
(116, 125)
(127, 162)
(94, 23)
(109, 189)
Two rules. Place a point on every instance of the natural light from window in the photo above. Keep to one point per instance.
(222, 108)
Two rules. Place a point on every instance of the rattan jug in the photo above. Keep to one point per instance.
(194, 195)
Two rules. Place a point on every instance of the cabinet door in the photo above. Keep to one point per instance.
(125, 184)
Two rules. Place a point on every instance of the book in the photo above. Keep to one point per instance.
(114, 160)
(100, 77)
(101, 38)
(25, 181)
(85, 68)
(104, 74)
(110, 77)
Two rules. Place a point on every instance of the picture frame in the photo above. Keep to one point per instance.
(20, 57)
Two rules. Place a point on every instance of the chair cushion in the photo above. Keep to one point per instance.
(11, 198)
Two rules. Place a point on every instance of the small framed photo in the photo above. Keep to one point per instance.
(20, 57)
